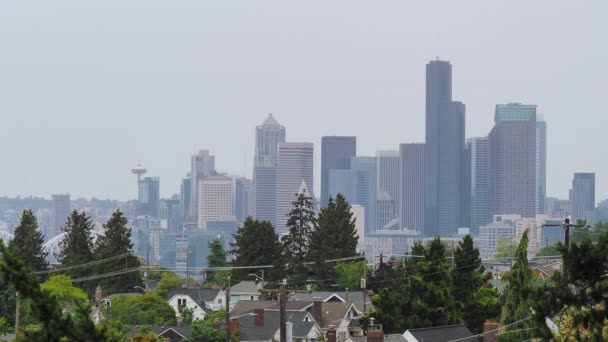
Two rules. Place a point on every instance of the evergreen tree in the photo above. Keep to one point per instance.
(476, 300)
(295, 245)
(216, 258)
(27, 243)
(255, 243)
(117, 241)
(334, 237)
(518, 304)
(77, 248)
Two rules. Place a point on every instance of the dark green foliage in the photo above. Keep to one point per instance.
(28, 241)
(579, 291)
(334, 237)
(168, 282)
(550, 250)
(117, 241)
(295, 245)
(202, 330)
(421, 293)
(216, 258)
(518, 303)
(145, 309)
(382, 276)
(53, 323)
(186, 314)
(477, 300)
(256, 243)
(78, 248)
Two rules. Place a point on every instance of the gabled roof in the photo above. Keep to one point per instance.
(197, 295)
(327, 296)
(440, 334)
(248, 331)
(246, 306)
(244, 287)
(333, 313)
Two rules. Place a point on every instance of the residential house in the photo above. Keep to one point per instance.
(440, 334)
(201, 300)
(264, 326)
(245, 290)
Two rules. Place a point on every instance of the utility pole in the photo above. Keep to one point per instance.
(17, 313)
(147, 268)
(364, 284)
(567, 233)
(282, 304)
(228, 311)
(187, 268)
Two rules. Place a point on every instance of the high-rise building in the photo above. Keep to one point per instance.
(171, 211)
(387, 187)
(148, 203)
(202, 165)
(267, 138)
(60, 210)
(411, 183)
(478, 150)
(582, 195)
(513, 167)
(541, 165)
(294, 170)
(185, 200)
(363, 181)
(444, 148)
(335, 155)
(45, 221)
(215, 202)
(243, 198)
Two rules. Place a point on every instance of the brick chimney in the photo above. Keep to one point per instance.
(331, 333)
(317, 310)
(375, 333)
(98, 296)
(217, 324)
(490, 325)
(234, 325)
(259, 317)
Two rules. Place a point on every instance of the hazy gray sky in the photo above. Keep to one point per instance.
(89, 89)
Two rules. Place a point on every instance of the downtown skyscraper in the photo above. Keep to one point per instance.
(444, 152)
(267, 138)
(582, 195)
(336, 153)
(202, 165)
(294, 173)
(411, 184)
(478, 150)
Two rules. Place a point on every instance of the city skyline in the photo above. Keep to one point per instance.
(202, 96)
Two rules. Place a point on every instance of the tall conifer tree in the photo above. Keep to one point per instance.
(301, 222)
(77, 248)
(27, 243)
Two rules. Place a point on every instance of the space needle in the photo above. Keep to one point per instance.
(139, 171)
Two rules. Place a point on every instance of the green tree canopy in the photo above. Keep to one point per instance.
(168, 281)
(141, 310)
(60, 286)
(334, 237)
(27, 243)
(255, 243)
(295, 245)
(216, 258)
(78, 248)
(117, 241)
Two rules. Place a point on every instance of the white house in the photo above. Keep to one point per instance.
(201, 300)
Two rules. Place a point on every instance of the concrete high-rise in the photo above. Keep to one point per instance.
(362, 180)
(444, 149)
(60, 210)
(215, 201)
(148, 203)
(582, 196)
(202, 165)
(478, 150)
(294, 170)
(336, 152)
(387, 187)
(541, 165)
(243, 198)
(411, 184)
(513, 167)
(185, 192)
(267, 138)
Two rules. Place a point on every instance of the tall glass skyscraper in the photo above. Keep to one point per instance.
(387, 187)
(267, 138)
(335, 155)
(478, 149)
(149, 197)
(513, 166)
(582, 195)
(202, 165)
(60, 210)
(541, 165)
(242, 198)
(411, 180)
(444, 149)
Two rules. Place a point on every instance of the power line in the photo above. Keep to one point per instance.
(83, 265)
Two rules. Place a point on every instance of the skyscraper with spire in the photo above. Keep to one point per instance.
(267, 137)
(444, 152)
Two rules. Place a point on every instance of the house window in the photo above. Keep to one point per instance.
(219, 300)
(251, 297)
(181, 302)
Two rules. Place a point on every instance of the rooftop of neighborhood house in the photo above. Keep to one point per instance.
(441, 334)
(198, 295)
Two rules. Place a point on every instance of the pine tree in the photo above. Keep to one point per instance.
(518, 304)
(28, 241)
(216, 258)
(334, 237)
(77, 248)
(255, 243)
(301, 222)
(117, 241)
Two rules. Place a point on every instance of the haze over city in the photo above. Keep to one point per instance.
(89, 91)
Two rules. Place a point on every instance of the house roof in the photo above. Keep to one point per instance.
(162, 330)
(244, 287)
(387, 338)
(248, 331)
(354, 297)
(245, 306)
(333, 313)
(197, 295)
(442, 334)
